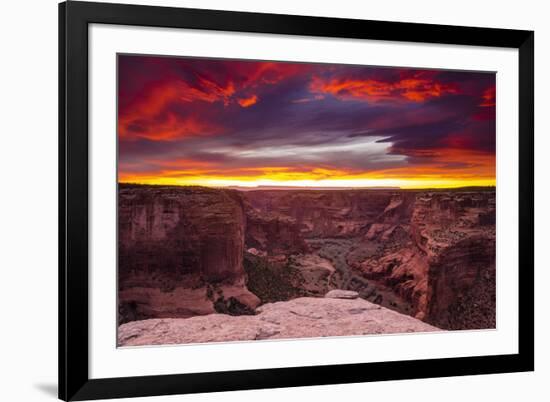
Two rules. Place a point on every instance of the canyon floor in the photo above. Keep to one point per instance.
(206, 265)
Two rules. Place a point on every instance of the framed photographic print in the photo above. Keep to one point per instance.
(257, 200)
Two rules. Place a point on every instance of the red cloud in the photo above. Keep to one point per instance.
(270, 73)
(168, 127)
(148, 113)
(411, 89)
(247, 102)
(487, 106)
(214, 91)
(488, 97)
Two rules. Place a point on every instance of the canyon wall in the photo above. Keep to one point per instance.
(319, 213)
(180, 252)
(462, 286)
(273, 234)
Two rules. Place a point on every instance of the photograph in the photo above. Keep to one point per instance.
(267, 200)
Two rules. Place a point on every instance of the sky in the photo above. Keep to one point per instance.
(222, 122)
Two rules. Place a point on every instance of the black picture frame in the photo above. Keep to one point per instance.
(74, 18)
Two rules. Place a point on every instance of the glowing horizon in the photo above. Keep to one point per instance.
(405, 185)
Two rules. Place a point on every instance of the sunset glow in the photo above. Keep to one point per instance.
(212, 122)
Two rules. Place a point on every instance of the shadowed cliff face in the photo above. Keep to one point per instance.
(273, 233)
(461, 286)
(186, 251)
(180, 252)
(181, 230)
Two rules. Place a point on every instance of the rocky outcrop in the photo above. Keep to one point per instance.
(399, 209)
(180, 252)
(298, 318)
(404, 271)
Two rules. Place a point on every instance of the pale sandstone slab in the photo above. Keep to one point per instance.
(342, 294)
(304, 317)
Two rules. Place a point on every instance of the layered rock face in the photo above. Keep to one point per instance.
(273, 234)
(181, 230)
(319, 213)
(297, 318)
(180, 252)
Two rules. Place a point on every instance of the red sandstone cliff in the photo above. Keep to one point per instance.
(273, 234)
(319, 213)
(461, 285)
(180, 252)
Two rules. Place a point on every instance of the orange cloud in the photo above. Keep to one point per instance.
(488, 97)
(247, 102)
(412, 89)
(216, 92)
(149, 112)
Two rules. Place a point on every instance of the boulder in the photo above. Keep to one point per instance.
(342, 294)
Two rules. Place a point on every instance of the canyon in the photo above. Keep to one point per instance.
(193, 256)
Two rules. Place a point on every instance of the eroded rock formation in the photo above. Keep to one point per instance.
(273, 234)
(319, 213)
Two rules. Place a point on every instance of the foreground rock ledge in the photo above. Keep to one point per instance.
(304, 317)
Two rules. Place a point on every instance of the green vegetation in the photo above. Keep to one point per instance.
(272, 282)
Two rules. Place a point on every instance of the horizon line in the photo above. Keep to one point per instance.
(311, 188)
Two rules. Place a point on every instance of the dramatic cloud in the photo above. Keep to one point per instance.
(416, 88)
(246, 102)
(225, 122)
